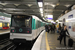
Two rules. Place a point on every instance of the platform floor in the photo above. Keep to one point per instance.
(43, 43)
(50, 42)
(2, 31)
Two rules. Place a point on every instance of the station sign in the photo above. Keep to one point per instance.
(49, 18)
(70, 16)
(2, 18)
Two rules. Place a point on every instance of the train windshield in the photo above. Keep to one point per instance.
(21, 21)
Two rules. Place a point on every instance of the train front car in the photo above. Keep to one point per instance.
(21, 28)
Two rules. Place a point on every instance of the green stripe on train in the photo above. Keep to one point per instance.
(36, 24)
(33, 24)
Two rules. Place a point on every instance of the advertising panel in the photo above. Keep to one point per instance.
(73, 27)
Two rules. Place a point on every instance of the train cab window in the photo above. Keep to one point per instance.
(21, 21)
(27, 22)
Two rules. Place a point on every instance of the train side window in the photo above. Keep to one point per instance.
(34, 24)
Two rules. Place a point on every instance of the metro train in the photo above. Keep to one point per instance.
(69, 20)
(4, 23)
(25, 28)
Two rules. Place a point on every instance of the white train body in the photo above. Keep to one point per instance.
(27, 34)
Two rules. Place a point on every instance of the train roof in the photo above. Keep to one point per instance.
(35, 17)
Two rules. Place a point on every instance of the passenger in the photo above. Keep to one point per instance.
(53, 28)
(63, 34)
(49, 28)
(46, 28)
(63, 26)
(59, 29)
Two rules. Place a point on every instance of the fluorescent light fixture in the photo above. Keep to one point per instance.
(44, 18)
(49, 20)
(57, 3)
(57, 20)
(67, 5)
(47, 3)
(40, 4)
(27, 20)
(41, 10)
(35, 17)
(30, 5)
(52, 5)
(66, 20)
(41, 14)
(52, 21)
(49, 16)
(10, 9)
(4, 9)
(16, 4)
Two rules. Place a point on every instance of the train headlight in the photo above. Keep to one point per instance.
(13, 31)
(27, 31)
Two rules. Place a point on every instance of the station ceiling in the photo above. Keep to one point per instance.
(30, 7)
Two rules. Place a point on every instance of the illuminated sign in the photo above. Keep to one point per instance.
(50, 17)
(2, 18)
(0, 24)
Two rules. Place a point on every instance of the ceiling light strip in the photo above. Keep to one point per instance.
(40, 4)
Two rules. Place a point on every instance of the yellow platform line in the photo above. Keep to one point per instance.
(47, 45)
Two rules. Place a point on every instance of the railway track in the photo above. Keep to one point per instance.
(11, 46)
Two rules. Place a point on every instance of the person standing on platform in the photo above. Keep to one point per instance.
(59, 28)
(46, 28)
(53, 27)
(63, 34)
(50, 27)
